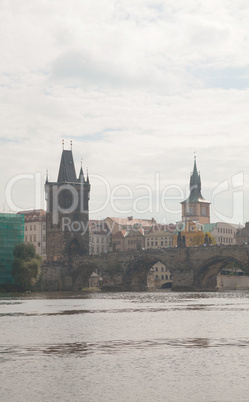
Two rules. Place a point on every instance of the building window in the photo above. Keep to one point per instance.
(190, 211)
(166, 276)
(43, 238)
(44, 227)
(30, 228)
(161, 243)
(26, 239)
(203, 211)
(30, 238)
(156, 269)
(34, 227)
(35, 238)
(162, 269)
(162, 277)
(44, 250)
(26, 228)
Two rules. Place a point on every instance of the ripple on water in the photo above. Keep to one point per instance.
(81, 349)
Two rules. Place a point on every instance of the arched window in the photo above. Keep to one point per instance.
(162, 277)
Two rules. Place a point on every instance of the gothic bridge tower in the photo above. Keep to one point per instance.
(195, 207)
(67, 211)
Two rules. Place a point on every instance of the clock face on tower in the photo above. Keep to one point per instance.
(65, 199)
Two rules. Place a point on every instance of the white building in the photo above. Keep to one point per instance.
(224, 233)
(99, 237)
(35, 230)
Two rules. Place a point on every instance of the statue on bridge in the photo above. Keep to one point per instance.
(207, 240)
(181, 242)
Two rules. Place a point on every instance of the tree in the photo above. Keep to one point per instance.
(201, 238)
(26, 266)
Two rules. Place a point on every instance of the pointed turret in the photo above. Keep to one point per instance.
(81, 175)
(67, 170)
(195, 186)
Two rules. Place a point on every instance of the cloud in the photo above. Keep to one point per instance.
(138, 85)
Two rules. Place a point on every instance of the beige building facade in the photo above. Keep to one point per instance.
(126, 240)
(159, 236)
(159, 277)
(35, 230)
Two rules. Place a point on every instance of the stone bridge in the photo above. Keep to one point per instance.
(192, 268)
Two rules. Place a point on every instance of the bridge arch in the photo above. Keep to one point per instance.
(138, 269)
(206, 278)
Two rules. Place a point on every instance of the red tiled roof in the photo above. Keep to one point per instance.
(120, 234)
(33, 215)
(162, 228)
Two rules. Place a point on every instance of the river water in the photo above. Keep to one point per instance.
(124, 347)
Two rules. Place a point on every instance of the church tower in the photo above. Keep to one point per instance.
(67, 211)
(195, 207)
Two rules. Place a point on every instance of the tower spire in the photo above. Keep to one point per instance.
(81, 175)
(87, 177)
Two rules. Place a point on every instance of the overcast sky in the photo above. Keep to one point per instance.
(138, 86)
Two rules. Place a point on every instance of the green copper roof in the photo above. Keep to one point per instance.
(195, 187)
(208, 227)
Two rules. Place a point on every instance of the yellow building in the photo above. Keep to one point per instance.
(188, 238)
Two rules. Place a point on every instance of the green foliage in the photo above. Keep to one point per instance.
(26, 266)
(201, 238)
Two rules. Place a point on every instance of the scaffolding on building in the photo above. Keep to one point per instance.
(11, 234)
